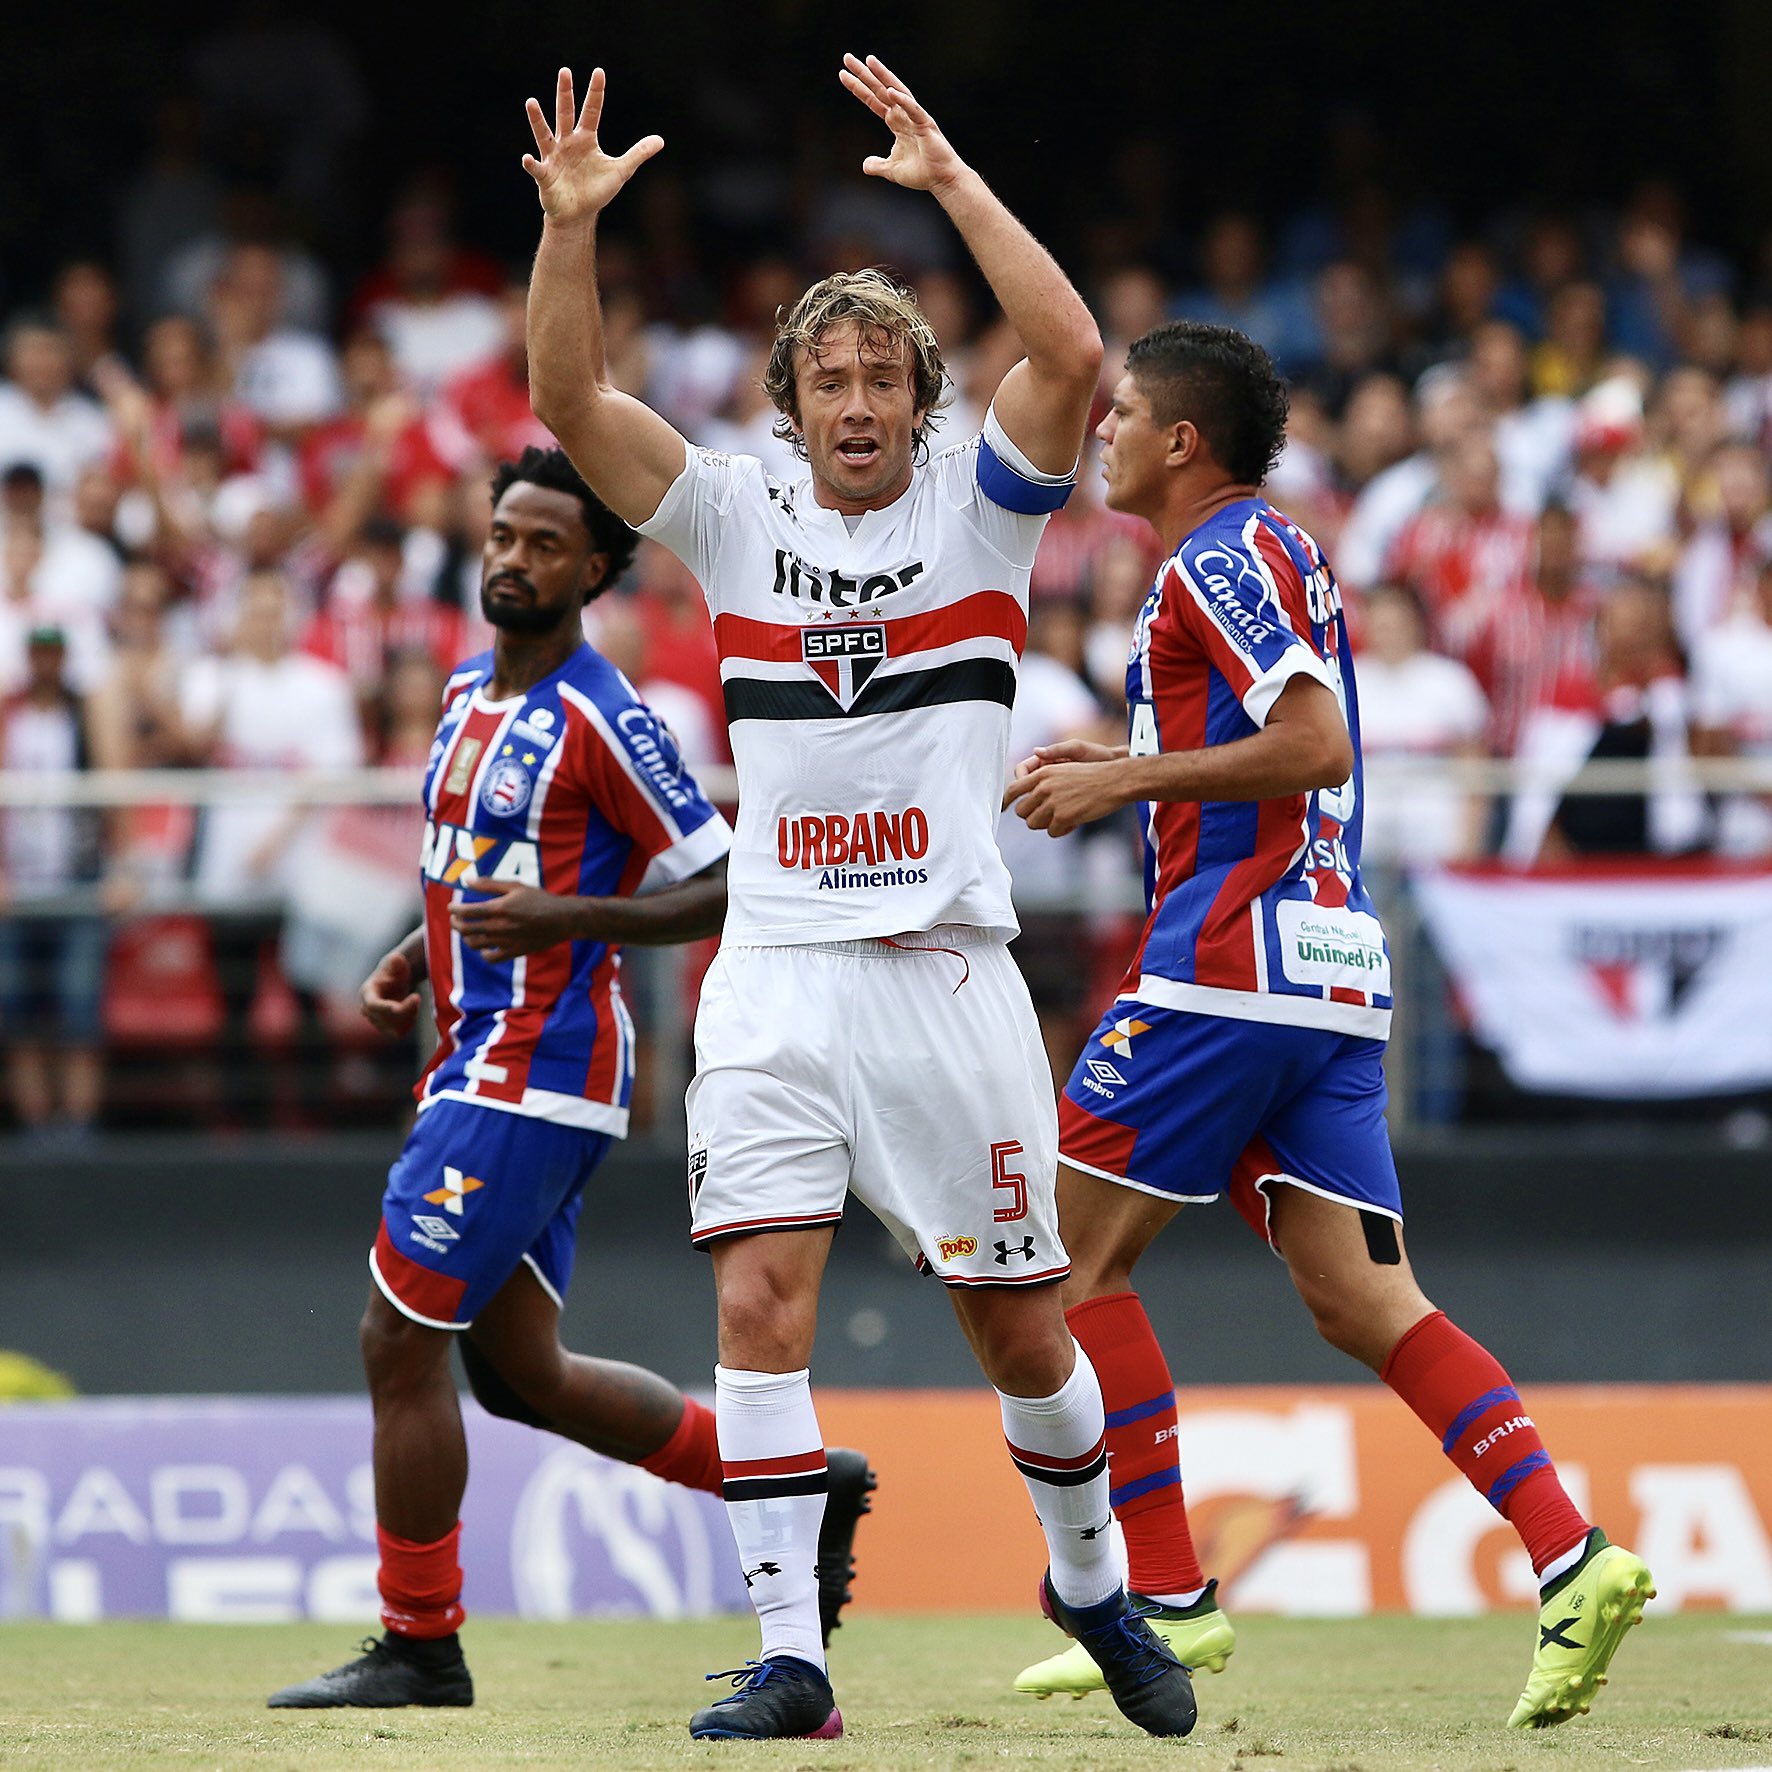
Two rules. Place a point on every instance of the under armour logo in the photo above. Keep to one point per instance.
(1553, 1633)
(1025, 1249)
(750, 1575)
(1090, 1533)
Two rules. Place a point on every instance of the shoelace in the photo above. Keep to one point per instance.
(1144, 1653)
(747, 1678)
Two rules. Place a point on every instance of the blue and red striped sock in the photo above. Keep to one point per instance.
(1460, 1390)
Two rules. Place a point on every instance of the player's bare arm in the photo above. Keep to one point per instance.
(628, 453)
(388, 1000)
(516, 920)
(1043, 403)
(1303, 746)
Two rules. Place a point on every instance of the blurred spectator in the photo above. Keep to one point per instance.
(1377, 430)
(183, 388)
(1234, 290)
(1572, 356)
(1658, 276)
(1633, 705)
(1537, 631)
(1463, 554)
(1418, 710)
(1748, 396)
(41, 587)
(1533, 437)
(42, 420)
(409, 701)
(250, 219)
(86, 305)
(1354, 334)
(1551, 257)
(1732, 708)
(137, 705)
(286, 377)
(488, 404)
(171, 201)
(1715, 577)
(1118, 585)
(1446, 411)
(370, 616)
(1464, 299)
(377, 456)
(1624, 497)
(435, 304)
(745, 424)
(52, 964)
(263, 706)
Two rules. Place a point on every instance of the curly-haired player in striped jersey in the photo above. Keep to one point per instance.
(1245, 1050)
(864, 1029)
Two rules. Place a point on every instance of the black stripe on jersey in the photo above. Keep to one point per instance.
(762, 1488)
(1041, 1473)
(967, 679)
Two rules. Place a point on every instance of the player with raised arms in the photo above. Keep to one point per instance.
(1244, 1052)
(863, 1028)
(559, 824)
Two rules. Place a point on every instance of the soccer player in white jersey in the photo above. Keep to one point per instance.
(864, 1028)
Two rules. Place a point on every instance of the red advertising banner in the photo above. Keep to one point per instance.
(1334, 1501)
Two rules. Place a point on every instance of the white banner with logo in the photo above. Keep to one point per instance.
(1645, 982)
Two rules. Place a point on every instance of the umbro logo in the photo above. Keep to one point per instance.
(1025, 1249)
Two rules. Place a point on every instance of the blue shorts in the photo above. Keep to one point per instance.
(1186, 1106)
(474, 1192)
(52, 979)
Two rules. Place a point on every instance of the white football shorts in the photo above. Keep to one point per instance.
(909, 1072)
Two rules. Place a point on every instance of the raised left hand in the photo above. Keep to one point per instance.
(513, 920)
(1057, 797)
(921, 157)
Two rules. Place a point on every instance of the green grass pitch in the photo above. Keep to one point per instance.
(1376, 1695)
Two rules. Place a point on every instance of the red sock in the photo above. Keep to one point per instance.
(1144, 1460)
(420, 1584)
(691, 1456)
(1459, 1389)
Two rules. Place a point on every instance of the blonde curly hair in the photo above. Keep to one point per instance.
(888, 315)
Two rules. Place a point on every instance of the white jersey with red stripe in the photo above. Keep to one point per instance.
(577, 788)
(1256, 908)
(869, 668)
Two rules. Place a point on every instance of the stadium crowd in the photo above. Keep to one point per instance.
(242, 504)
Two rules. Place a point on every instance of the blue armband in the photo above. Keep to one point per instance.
(1003, 483)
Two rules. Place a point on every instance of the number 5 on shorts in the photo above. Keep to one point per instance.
(1010, 1181)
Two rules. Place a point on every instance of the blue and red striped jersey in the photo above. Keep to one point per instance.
(575, 787)
(1256, 909)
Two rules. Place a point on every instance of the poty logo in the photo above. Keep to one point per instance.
(454, 1191)
(952, 1248)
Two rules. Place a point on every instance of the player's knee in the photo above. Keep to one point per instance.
(765, 1327)
(395, 1349)
(492, 1391)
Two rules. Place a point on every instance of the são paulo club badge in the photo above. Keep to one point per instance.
(506, 790)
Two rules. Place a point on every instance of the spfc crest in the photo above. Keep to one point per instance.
(844, 658)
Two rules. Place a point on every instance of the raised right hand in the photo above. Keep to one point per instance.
(574, 178)
(387, 1001)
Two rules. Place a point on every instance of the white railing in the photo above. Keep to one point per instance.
(117, 788)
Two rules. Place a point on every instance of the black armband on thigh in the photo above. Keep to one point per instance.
(1381, 1238)
(490, 1390)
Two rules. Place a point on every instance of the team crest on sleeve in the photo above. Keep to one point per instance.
(844, 658)
(507, 788)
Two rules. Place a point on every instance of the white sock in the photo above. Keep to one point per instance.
(775, 1482)
(1059, 1444)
